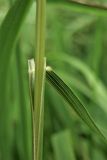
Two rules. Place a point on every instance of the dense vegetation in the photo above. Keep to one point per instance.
(76, 38)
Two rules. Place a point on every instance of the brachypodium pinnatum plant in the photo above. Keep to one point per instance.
(19, 126)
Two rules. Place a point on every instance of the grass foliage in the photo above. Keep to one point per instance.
(41, 125)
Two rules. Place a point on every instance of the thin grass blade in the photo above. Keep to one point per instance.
(9, 31)
(82, 7)
(25, 127)
(73, 101)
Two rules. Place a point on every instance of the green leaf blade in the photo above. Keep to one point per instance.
(73, 101)
(82, 7)
(9, 31)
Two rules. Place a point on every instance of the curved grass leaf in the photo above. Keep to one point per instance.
(82, 7)
(93, 81)
(9, 31)
(95, 84)
(72, 100)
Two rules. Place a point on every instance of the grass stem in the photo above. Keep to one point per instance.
(39, 78)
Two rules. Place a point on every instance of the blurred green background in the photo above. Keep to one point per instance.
(76, 46)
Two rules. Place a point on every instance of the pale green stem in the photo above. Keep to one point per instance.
(39, 78)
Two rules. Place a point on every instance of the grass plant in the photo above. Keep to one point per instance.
(69, 36)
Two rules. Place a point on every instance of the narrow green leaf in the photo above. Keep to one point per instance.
(9, 31)
(31, 71)
(25, 128)
(96, 85)
(83, 7)
(72, 100)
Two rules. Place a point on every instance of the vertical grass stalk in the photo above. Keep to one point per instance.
(39, 78)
